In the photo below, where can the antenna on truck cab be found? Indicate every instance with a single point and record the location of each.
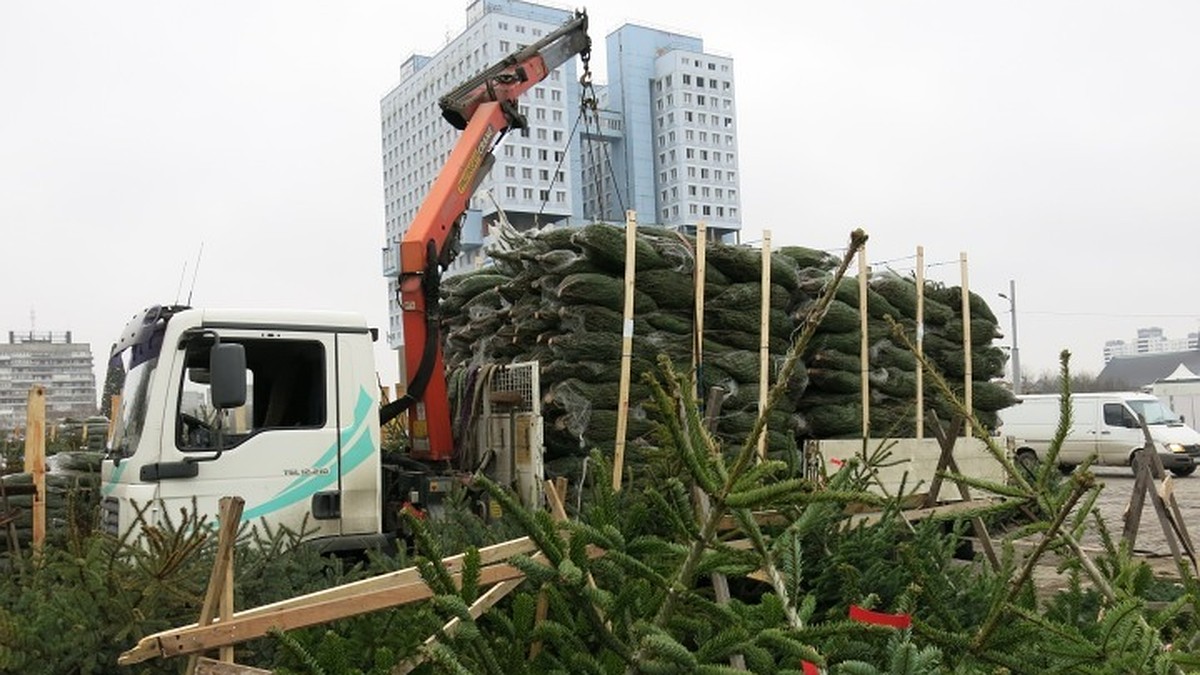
(195, 272)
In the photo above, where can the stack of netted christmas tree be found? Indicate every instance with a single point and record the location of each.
(556, 296)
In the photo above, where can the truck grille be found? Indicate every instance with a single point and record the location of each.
(110, 510)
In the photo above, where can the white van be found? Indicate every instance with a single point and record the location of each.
(1104, 425)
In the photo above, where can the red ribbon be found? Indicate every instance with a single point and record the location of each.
(837, 462)
(810, 668)
(880, 618)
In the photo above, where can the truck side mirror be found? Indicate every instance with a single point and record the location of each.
(227, 375)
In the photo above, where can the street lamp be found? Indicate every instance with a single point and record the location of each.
(1016, 354)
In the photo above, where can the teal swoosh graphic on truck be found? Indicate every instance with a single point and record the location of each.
(113, 479)
(358, 447)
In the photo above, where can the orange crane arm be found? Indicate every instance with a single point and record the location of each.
(485, 108)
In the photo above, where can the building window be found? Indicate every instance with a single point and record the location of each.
(687, 79)
(527, 173)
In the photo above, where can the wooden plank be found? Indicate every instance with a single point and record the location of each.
(947, 461)
(764, 340)
(920, 341)
(913, 515)
(202, 638)
(206, 666)
(113, 409)
(219, 581)
(150, 646)
(968, 393)
(698, 276)
(35, 461)
(864, 346)
(626, 350)
(482, 604)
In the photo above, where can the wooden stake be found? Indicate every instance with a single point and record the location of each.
(114, 409)
(864, 343)
(626, 349)
(920, 341)
(764, 340)
(35, 461)
(222, 575)
(699, 274)
(968, 394)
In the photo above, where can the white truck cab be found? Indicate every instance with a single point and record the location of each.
(301, 447)
(1105, 425)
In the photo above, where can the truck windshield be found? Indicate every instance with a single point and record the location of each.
(137, 361)
(134, 399)
(1155, 412)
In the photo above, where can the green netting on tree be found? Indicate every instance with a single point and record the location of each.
(834, 381)
(746, 295)
(991, 396)
(668, 288)
(836, 360)
(605, 247)
(804, 257)
(833, 421)
(982, 331)
(839, 318)
(603, 291)
(667, 322)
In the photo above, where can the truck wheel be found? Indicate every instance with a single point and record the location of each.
(1184, 471)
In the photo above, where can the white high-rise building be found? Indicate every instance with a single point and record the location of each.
(665, 143)
(533, 179)
(50, 360)
(669, 124)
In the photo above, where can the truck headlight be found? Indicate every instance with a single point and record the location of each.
(1175, 447)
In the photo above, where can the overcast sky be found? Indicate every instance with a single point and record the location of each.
(1054, 142)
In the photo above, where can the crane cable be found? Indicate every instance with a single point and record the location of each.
(588, 102)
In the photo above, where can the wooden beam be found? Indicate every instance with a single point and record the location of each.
(626, 350)
(764, 341)
(35, 462)
(698, 277)
(968, 376)
(206, 666)
(202, 638)
(920, 341)
(399, 584)
(864, 344)
(220, 581)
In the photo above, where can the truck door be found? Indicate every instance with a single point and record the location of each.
(279, 451)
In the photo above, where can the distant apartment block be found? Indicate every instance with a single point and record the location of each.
(665, 143)
(1150, 341)
(54, 361)
(669, 133)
